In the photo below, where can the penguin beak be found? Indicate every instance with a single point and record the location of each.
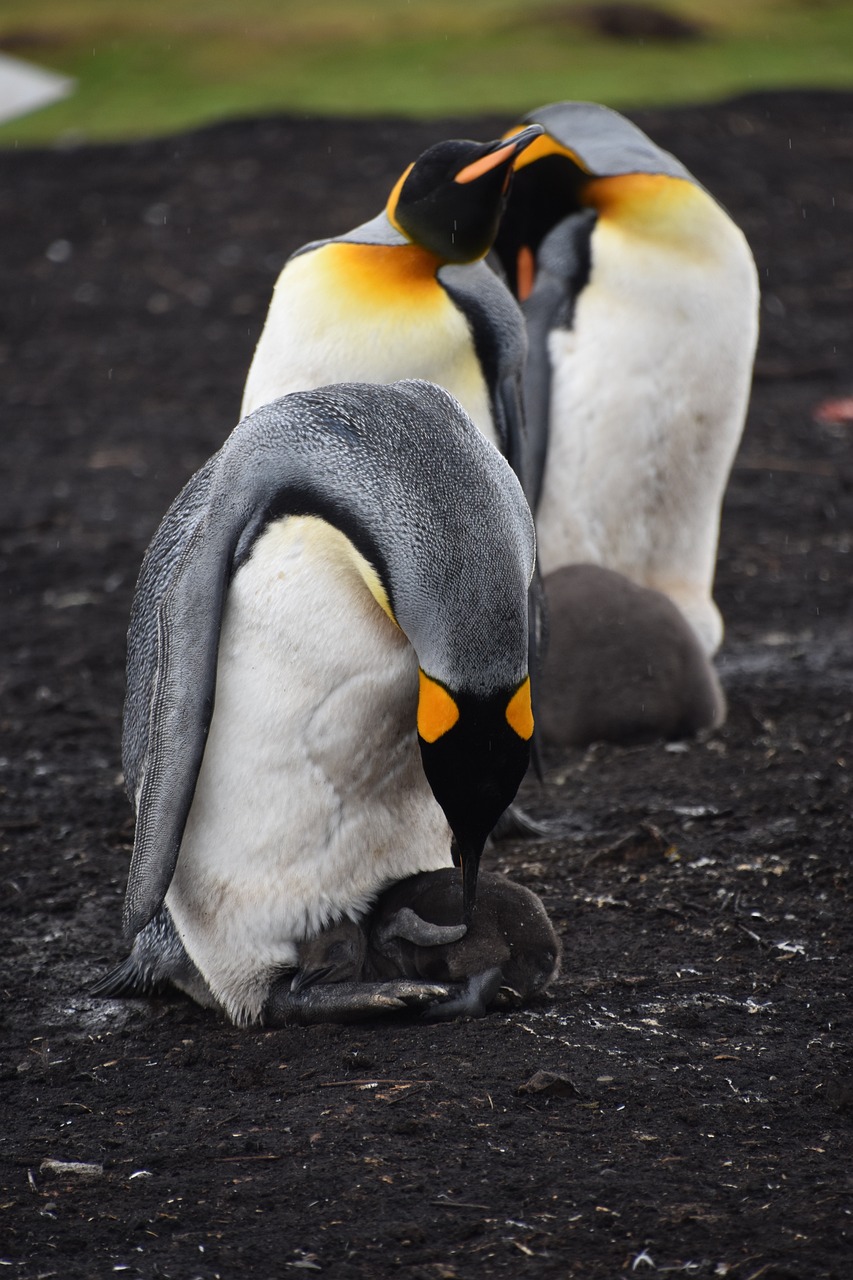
(503, 153)
(469, 856)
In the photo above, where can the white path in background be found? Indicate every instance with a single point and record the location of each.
(24, 87)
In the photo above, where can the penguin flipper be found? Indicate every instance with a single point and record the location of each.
(562, 270)
(173, 645)
(410, 927)
(497, 329)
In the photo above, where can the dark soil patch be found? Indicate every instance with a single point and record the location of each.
(703, 1019)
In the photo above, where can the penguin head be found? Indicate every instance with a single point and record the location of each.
(584, 156)
(450, 201)
(475, 751)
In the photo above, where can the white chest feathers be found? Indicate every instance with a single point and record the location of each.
(649, 393)
(311, 796)
(351, 312)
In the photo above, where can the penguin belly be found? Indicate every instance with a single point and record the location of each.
(311, 797)
(649, 394)
(351, 312)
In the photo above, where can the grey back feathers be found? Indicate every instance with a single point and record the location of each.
(446, 528)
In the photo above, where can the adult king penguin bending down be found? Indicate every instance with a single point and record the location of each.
(406, 295)
(641, 301)
(327, 675)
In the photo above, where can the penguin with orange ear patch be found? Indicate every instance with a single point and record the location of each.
(408, 295)
(327, 679)
(641, 301)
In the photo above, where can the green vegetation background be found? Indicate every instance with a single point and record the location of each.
(165, 65)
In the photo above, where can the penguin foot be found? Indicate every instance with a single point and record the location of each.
(471, 1000)
(348, 1001)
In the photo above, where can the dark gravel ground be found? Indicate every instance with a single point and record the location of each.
(702, 1028)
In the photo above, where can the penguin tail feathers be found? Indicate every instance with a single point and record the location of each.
(131, 978)
(156, 960)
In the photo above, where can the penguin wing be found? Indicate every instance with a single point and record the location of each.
(173, 646)
(562, 270)
(497, 330)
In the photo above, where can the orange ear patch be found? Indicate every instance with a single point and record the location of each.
(519, 712)
(437, 712)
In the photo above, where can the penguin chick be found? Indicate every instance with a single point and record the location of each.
(508, 955)
(623, 665)
(641, 301)
(327, 675)
(406, 295)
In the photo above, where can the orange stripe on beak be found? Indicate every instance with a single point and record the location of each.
(476, 170)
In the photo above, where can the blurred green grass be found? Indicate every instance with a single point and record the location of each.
(168, 65)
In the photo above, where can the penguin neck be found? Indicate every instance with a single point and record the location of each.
(326, 540)
(371, 273)
(674, 212)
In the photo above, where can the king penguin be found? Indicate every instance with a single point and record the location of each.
(641, 301)
(407, 295)
(327, 675)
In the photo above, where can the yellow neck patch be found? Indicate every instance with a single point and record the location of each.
(519, 712)
(383, 275)
(330, 542)
(643, 198)
(437, 712)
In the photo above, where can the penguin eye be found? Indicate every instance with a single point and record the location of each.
(437, 712)
(519, 712)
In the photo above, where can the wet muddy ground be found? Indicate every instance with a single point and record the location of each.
(701, 1035)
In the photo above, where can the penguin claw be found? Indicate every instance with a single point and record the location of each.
(413, 994)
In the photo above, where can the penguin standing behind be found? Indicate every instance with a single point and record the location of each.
(508, 955)
(641, 301)
(406, 295)
(327, 675)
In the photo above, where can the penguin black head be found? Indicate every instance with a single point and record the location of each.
(450, 201)
(475, 752)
